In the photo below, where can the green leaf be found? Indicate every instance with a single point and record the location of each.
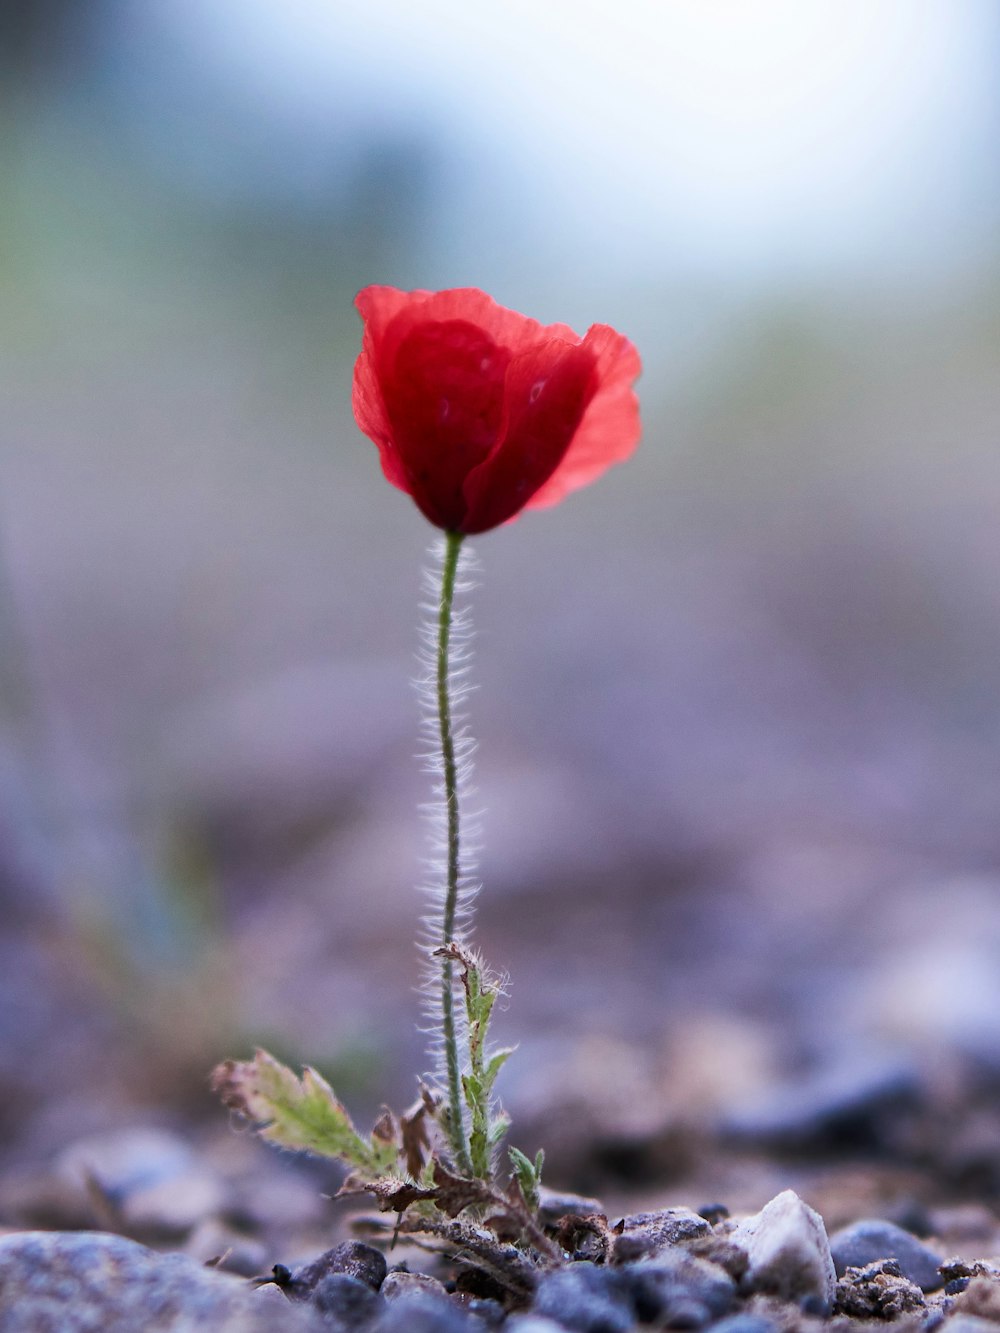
(521, 1162)
(499, 1126)
(486, 1126)
(479, 1151)
(299, 1113)
(528, 1174)
(493, 1066)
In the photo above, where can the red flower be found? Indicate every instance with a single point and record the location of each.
(479, 412)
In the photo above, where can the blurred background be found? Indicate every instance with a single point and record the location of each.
(739, 704)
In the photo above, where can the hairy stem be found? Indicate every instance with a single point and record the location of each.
(459, 1141)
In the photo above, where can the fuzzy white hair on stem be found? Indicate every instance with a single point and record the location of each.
(450, 886)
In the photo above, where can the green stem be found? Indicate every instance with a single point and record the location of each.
(459, 1142)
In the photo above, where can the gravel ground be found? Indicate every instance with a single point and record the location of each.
(831, 1203)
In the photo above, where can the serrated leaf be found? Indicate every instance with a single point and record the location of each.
(493, 1066)
(298, 1113)
(481, 1000)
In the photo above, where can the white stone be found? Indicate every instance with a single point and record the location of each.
(789, 1252)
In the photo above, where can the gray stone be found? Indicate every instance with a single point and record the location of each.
(126, 1160)
(853, 1103)
(719, 1249)
(586, 1299)
(678, 1290)
(488, 1311)
(647, 1233)
(867, 1241)
(273, 1301)
(346, 1301)
(398, 1285)
(981, 1298)
(745, 1323)
(174, 1208)
(91, 1282)
(418, 1312)
(353, 1257)
(788, 1253)
(149, 1178)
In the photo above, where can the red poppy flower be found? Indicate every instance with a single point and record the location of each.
(479, 412)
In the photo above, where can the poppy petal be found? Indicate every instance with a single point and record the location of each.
(479, 412)
(610, 428)
(443, 386)
(546, 395)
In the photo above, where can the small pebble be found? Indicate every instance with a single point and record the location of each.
(719, 1249)
(867, 1241)
(956, 1268)
(788, 1253)
(398, 1285)
(586, 1299)
(532, 1323)
(677, 1290)
(643, 1234)
(348, 1299)
(418, 1312)
(968, 1323)
(491, 1312)
(745, 1323)
(271, 1298)
(352, 1257)
(981, 1297)
(878, 1291)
